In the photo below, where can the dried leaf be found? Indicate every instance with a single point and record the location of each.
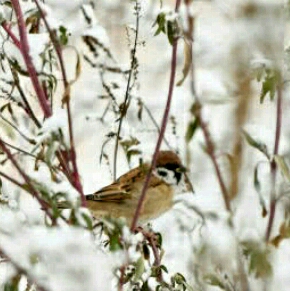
(257, 187)
(191, 129)
(256, 144)
(187, 62)
(214, 280)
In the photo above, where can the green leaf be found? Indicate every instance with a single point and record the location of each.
(187, 62)
(178, 280)
(145, 287)
(13, 284)
(258, 259)
(256, 144)
(88, 221)
(163, 268)
(140, 268)
(140, 110)
(269, 84)
(63, 35)
(146, 251)
(166, 26)
(257, 186)
(158, 237)
(191, 129)
(171, 32)
(160, 22)
(214, 280)
(280, 161)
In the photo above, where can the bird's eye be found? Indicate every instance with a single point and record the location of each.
(162, 173)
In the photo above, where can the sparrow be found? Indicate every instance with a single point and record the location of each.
(120, 198)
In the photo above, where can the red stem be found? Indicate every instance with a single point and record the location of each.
(12, 180)
(75, 174)
(24, 49)
(26, 179)
(162, 128)
(211, 152)
(208, 140)
(11, 34)
(273, 165)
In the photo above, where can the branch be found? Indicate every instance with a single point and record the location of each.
(126, 102)
(28, 108)
(208, 140)
(211, 152)
(162, 128)
(58, 49)
(273, 165)
(7, 28)
(15, 182)
(32, 189)
(24, 49)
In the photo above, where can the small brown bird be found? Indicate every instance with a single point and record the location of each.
(120, 198)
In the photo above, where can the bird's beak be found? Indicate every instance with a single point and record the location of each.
(181, 169)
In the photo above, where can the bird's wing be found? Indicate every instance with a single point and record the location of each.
(114, 192)
(121, 189)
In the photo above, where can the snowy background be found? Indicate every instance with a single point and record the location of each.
(226, 42)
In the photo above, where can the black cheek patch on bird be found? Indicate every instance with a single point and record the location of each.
(177, 171)
(177, 175)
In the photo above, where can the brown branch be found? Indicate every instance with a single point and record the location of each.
(208, 140)
(242, 274)
(24, 49)
(32, 189)
(28, 108)
(55, 43)
(29, 140)
(126, 102)
(273, 165)
(211, 153)
(15, 182)
(75, 177)
(15, 40)
(162, 128)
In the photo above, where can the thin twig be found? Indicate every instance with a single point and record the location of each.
(34, 192)
(15, 182)
(30, 140)
(24, 49)
(58, 49)
(162, 128)
(126, 102)
(273, 165)
(209, 143)
(27, 106)
(15, 40)
(19, 149)
(211, 152)
(210, 148)
(155, 123)
(55, 43)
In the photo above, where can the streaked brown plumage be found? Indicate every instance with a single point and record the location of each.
(120, 198)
